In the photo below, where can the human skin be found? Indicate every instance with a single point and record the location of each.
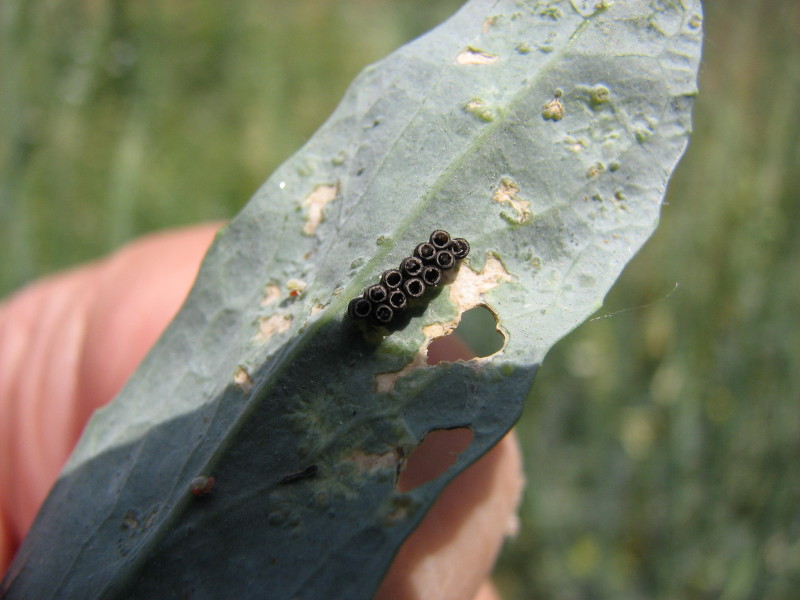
(61, 358)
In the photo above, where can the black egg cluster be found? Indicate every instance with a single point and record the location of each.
(422, 270)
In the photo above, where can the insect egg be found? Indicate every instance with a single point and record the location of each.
(400, 287)
(414, 287)
(397, 299)
(383, 314)
(460, 248)
(440, 239)
(432, 276)
(445, 259)
(411, 266)
(425, 251)
(392, 279)
(359, 308)
(377, 293)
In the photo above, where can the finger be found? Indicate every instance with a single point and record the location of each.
(138, 293)
(487, 592)
(67, 344)
(450, 554)
(41, 331)
(470, 536)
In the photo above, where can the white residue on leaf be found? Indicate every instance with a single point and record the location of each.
(467, 291)
(473, 56)
(315, 204)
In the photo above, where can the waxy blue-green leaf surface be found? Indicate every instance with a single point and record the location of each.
(544, 133)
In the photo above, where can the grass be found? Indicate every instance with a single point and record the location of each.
(662, 443)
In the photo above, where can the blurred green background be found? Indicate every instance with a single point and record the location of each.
(662, 443)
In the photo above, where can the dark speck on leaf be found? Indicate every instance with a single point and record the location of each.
(309, 471)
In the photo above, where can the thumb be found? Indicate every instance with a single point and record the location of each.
(67, 345)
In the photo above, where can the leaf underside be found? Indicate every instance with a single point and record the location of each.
(545, 134)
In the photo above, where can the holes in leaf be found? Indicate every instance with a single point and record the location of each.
(436, 453)
(475, 336)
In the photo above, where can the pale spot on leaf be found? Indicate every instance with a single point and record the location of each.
(480, 109)
(507, 193)
(402, 507)
(269, 326)
(271, 293)
(473, 56)
(368, 462)
(469, 287)
(385, 382)
(242, 379)
(315, 203)
(488, 23)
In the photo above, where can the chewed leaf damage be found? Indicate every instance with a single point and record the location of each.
(269, 326)
(474, 56)
(315, 204)
(466, 292)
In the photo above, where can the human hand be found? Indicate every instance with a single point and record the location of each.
(61, 358)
